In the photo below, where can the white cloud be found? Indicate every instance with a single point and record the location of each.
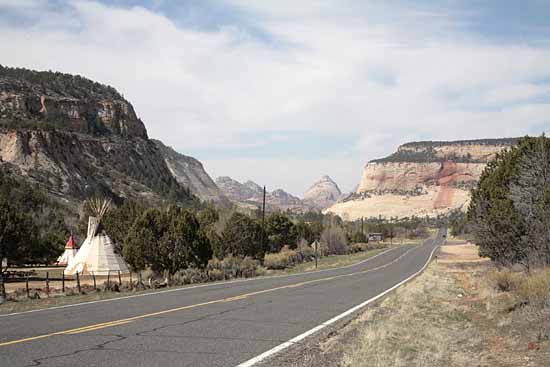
(329, 69)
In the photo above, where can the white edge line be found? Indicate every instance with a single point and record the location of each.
(182, 289)
(280, 347)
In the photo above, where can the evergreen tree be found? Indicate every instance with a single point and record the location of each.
(242, 236)
(279, 230)
(509, 208)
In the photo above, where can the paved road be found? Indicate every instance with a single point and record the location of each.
(222, 324)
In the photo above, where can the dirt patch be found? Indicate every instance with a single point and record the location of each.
(460, 253)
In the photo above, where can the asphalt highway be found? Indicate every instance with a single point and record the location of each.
(221, 324)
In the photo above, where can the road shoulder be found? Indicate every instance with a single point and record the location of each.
(448, 315)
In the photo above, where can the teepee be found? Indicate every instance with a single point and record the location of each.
(97, 254)
(69, 254)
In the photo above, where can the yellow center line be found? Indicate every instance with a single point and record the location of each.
(183, 308)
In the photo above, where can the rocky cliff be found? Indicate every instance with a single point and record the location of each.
(190, 173)
(78, 138)
(423, 178)
(322, 193)
(66, 102)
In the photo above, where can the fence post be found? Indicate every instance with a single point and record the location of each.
(119, 279)
(95, 286)
(78, 282)
(27, 286)
(48, 283)
(108, 279)
(63, 282)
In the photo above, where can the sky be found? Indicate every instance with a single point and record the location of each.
(283, 92)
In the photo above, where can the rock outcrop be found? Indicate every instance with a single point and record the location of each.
(65, 102)
(322, 193)
(425, 178)
(77, 138)
(189, 172)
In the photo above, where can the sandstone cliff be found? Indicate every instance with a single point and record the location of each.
(322, 193)
(77, 138)
(425, 178)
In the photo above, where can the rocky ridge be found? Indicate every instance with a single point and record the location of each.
(77, 138)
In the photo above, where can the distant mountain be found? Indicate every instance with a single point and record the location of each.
(191, 174)
(254, 188)
(250, 193)
(421, 179)
(322, 193)
(235, 190)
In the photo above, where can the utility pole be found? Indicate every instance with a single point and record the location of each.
(391, 231)
(263, 219)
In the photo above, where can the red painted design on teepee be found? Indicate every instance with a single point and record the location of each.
(70, 243)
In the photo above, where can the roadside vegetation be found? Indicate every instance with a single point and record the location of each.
(174, 245)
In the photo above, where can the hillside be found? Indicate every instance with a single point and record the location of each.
(421, 178)
(190, 173)
(78, 138)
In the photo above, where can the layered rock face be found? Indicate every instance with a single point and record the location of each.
(59, 103)
(190, 173)
(322, 193)
(75, 166)
(426, 178)
(77, 138)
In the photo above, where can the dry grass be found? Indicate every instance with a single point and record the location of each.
(333, 261)
(457, 314)
(419, 325)
(527, 289)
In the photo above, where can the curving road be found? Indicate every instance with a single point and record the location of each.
(223, 324)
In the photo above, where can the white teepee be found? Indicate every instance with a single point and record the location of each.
(97, 254)
(69, 254)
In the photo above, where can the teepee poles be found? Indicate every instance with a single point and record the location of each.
(98, 206)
